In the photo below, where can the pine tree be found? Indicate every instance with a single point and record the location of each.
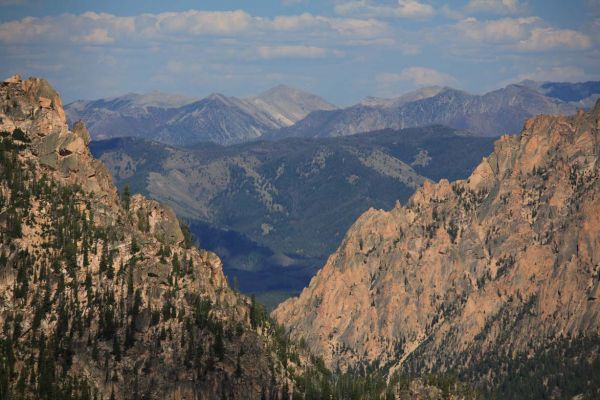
(116, 347)
(130, 281)
(126, 197)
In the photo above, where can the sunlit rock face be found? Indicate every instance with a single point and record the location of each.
(504, 262)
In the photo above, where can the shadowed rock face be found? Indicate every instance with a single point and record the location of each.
(504, 262)
(128, 308)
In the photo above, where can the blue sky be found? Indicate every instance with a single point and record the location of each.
(342, 50)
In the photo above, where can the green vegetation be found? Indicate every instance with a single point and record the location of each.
(76, 311)
(286, 203)
(40, 368)
(562, 368)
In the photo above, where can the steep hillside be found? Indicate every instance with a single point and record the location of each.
(265, 206)
(492, 114)
(496, 277)
(101, 295)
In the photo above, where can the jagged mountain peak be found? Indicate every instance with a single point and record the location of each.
(287, 105)
(218, 97)
(490, 114)
(183, 120)
(279, 89)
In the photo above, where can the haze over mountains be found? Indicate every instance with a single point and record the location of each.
(179, 120)
(492, 114)
(287, 112)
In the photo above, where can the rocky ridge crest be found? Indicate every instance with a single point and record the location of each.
(504, 263)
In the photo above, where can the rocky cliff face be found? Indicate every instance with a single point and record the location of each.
(498, 266)
(101, 296)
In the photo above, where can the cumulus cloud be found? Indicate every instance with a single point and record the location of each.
(204, 22)
(97, 36)
(369, 9)
(418, 76)
(496, 31)
(269, 52)
(543, 39)
(87, 28)
(523, 34)
(495, 6)
(102, 28)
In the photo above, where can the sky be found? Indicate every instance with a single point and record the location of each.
(342, 50)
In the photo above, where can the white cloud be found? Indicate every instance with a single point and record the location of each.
(412, 8)
(495, 6)
(361, 28)
(369, 9)
(269, 52)
(97, 36)
(205, 22)
(521, 34)
(418, 76)
(102, 28)
(298, 22)
(496, 31)
(543, 39)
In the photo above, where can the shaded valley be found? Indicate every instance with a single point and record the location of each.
(275, 210)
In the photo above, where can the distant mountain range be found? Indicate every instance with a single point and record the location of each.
(268, 205)
(492, 114)
(182, 121)
(287, 112)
